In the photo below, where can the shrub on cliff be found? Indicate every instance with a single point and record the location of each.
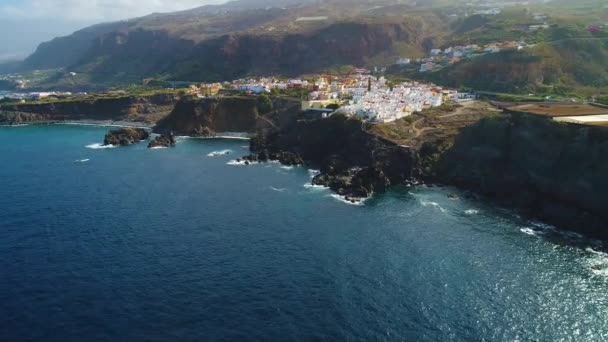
(264, 104)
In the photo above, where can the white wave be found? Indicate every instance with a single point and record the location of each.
(246, 147)
(434, 205)
(241, 163)
(219, 153)
(471, 212)
(82, 160)
(278, 189)
(358, 202)
(17, 125)
(532, 232)
(158, 148)
(315, 187)
(287, 167)
(100, 146)
(597, 262)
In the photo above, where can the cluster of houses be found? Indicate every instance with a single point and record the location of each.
(379, 102)
(360, 94)
(16, 79)
(250, 86)
(440, 58)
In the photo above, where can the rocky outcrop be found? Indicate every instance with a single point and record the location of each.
(552, 171)
(548, 170)
(353, 163)
(20, 118)
(125, 136)
(164, 140)
(215, 115)
(145, 109)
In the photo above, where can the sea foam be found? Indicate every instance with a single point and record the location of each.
(434, 205)
(99, 146)
(219, 153)
(359, 202)
(241, 163)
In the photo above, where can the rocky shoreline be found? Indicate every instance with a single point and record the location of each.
(546, 170)
(519, 161)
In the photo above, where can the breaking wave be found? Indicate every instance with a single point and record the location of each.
(241, 163)
(99, 146)
(315, 187)
(597, 262)
(82, 160)
(219, 153)
(358, 202)
(434, 205)
(277, 189)
(471, 212)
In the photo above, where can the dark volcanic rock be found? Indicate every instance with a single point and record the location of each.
(125, 136)
(165, 140)
(353, 163)
(288, 158)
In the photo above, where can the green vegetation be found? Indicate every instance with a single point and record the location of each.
(602, 100)
(264, 104)
(113, 94)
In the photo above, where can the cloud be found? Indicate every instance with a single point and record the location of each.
(93, 10)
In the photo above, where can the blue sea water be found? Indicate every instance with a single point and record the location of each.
(174, 244)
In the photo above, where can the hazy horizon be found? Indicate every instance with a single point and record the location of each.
(27, 23)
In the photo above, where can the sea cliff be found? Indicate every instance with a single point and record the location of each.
(547, 170)
(231, 114)
(552, 171)
(144, 109)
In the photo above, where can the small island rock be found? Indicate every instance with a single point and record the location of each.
(125, 136)
(165, 140)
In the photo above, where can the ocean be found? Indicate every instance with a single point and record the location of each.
(178, 244)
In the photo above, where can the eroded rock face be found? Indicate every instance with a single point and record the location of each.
(353, 163)
(125, 136)
(165, 140)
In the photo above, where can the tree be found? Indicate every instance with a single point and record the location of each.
(264, 104)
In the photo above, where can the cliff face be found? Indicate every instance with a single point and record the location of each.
(553, 171)
(203, 117)
(144, 109)
(353, 162)
(128, 54)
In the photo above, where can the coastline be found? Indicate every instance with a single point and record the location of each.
(96, 123)
(105, 123)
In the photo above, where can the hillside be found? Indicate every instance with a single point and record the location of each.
(240, 38)
(562, 67)
(289, 38)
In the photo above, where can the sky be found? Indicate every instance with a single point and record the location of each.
(26, 23)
